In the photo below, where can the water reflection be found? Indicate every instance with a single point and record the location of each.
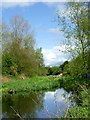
(36, 105)
(24, 105)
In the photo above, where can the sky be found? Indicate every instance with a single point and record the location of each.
(41, 16)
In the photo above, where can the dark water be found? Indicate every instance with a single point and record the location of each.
(36, 105)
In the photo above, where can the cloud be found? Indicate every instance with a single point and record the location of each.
(13, 3)
(54, 57)
(22, 3)
(8, 3)
(54, 30)
(61, 8)
(49, 95)
(33, 0)
(58, 95)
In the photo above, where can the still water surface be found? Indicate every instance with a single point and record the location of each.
(49, 104)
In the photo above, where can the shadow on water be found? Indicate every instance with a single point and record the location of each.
(36, 105)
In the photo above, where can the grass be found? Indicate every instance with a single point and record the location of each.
(31, 84)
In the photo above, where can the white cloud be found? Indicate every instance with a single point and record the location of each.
(13, 3)
(61, 8)
(33, 0)
(17, 3)
(54, 56)
(54, 30)
(22, 3)
(49, 95)
(57, 95)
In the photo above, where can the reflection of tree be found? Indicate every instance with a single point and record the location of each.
(24, 105)
(6, 103)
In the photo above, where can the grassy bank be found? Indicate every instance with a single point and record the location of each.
(80, 89)
(31, 84)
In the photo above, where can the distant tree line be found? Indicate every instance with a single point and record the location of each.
(19, 55)
(56, 70)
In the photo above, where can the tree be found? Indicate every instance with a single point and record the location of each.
(49, 70)
(18, 43)
(40, 62)
(9, 65)
(74, 24)
(55, 70)
(63, 65)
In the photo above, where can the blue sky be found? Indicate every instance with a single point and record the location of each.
(41, 16)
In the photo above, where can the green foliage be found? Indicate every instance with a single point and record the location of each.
(76, 68)
(84, 95)
(81, 110)
(78, 112)
(53, 70)
(74, 23)
(63, 65)
(8, 64)
(31, 84)
(19, 54)
(40, 62)
(56, 69)
(81, 96)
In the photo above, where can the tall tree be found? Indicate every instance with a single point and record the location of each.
(74, 23)
(18, 42)
(19, 54)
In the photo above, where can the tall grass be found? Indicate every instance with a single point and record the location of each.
(31, 84)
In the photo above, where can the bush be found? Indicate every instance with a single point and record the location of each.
(9, 65)
(78, 112)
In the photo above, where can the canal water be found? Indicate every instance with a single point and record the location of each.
(51, 104)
